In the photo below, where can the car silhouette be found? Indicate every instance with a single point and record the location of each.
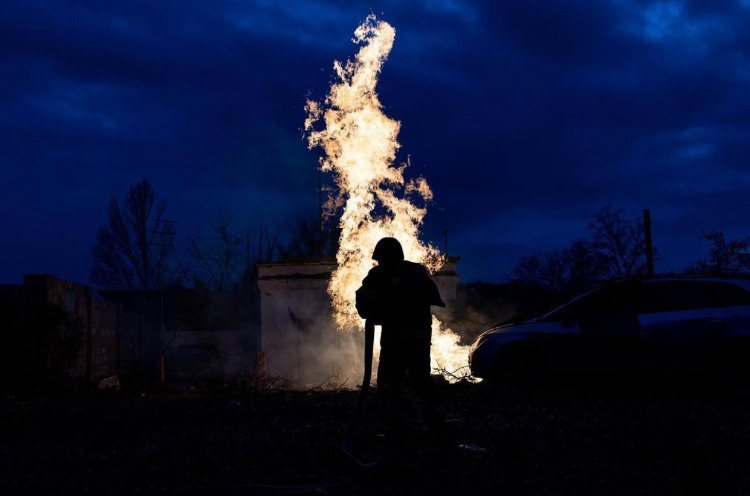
(685, 326)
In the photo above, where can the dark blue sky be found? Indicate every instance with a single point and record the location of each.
(525, 117)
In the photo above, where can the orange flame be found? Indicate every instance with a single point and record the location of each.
(360, 146)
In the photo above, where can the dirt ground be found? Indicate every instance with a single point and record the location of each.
(600, 441)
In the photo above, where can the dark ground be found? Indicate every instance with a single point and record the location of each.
(578, 441)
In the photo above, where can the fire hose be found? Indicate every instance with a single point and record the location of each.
(348, 445)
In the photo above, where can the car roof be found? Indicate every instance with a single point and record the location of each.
(741, 280)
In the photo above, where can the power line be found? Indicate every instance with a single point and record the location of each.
(165, 230)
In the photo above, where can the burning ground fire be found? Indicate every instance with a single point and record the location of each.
(359, 144)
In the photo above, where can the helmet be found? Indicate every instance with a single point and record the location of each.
(388, 250)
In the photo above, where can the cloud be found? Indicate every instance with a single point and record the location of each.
(524, 117)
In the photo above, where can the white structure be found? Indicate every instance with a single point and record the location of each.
(297, 334)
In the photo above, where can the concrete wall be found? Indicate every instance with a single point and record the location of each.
(97, 321)
(130, 330)
(178, 324)
(447, 280)
(188, 357)
(104, 350)
(296, 323)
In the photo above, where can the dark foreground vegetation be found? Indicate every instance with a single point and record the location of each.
(668, 439)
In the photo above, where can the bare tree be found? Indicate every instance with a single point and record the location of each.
(268, 245)
(215, 259)
(311, 238)
(725, 256)
(568, 271)
(615, 249)
(620, 244)
(261, 246)
(222, 258)
(132, 250)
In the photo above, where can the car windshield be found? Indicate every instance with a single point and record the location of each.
(617, 298)
(564, 309)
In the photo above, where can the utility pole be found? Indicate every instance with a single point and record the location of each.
(320, 194)
(163, 231)
(163, 237)
(649, 246)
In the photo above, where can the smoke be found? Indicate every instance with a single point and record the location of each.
(319, 356)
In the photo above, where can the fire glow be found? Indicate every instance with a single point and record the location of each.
(359, 145)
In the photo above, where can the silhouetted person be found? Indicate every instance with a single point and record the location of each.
(397, 295)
